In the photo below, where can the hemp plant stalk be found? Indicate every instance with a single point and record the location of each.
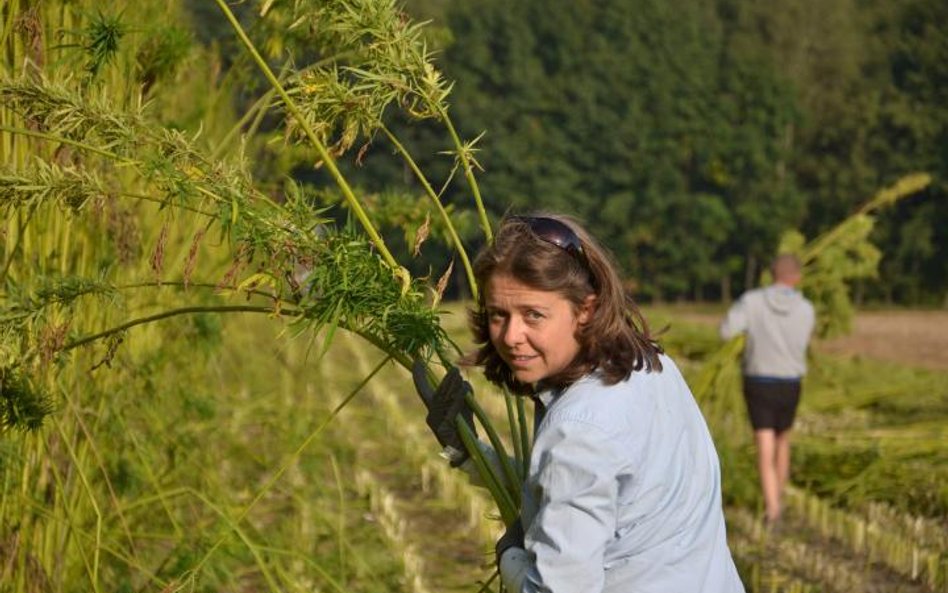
(351, 283)
(285, 257)
(358, 19)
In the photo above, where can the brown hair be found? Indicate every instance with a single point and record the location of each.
(615, 340)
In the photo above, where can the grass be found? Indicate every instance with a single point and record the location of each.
(167, 461)
(428, 510)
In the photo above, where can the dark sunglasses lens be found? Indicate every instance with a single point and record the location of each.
(555, 232)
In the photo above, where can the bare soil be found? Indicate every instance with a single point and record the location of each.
(912, 338)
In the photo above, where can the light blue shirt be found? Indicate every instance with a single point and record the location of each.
(624, 492)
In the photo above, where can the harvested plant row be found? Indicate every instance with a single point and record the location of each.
(912, 547)
(413, 491)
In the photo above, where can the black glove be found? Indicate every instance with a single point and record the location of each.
(444, 405)
(512, 538)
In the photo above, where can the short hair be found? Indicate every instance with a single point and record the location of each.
(615, 341)
(784, 265)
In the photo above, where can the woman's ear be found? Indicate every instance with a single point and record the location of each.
(586, 309)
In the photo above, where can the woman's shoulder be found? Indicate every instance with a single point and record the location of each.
(666, 373)
(592, 397)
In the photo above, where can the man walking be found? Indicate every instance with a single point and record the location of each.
(778, 321)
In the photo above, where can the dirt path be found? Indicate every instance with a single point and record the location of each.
(434, 520)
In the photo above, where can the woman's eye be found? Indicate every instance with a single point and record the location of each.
(533, 315)
(495, 316)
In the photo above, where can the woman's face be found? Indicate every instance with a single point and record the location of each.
(534, 331)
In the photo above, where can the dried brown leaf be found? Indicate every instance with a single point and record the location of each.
(443, 283)
(422, 235)
(158, 256)
(191, 260)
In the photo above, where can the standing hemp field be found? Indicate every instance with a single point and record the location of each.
(117, 224)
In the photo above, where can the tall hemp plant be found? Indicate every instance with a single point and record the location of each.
(75, 232)
(83, 155)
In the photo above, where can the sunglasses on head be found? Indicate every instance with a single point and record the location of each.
(556, 233)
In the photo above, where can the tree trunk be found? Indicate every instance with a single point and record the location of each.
(750, 272)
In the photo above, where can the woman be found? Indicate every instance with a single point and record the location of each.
(623, 489)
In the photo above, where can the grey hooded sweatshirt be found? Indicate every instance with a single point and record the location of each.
(778, 321)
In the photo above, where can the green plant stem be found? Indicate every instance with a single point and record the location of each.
(524, 434)
(146, 198)
(398, 357)
(505, 504)
(468, 172)
(165, 315)
(493, 577)
(234, 525)
(303, 557)
(324, 155)
(514, 434)
(254, 110)
(12, 11)
(510, 478)
(437, 202)
(258, 110)
(94, 576)
(74, 143)
(903, 187)
(21, 228)
(161, 496)
(182, 284)
(105, 477)
(341, 525)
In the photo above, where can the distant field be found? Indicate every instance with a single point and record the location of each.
(912, 338)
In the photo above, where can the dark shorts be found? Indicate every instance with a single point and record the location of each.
(771, 403)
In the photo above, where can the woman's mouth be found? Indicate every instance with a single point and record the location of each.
(520, 360)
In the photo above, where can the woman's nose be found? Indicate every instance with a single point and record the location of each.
(513, 332)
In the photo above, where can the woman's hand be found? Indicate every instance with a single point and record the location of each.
(444, 405)
(512, 538)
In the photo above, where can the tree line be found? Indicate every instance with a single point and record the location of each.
(691, 134)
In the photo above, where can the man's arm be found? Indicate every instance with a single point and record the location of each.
(735, 322)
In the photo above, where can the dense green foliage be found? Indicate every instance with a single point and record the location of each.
(692, 134)
(127, 204)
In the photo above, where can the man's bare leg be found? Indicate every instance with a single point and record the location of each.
(782, 454)
(765, 440)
